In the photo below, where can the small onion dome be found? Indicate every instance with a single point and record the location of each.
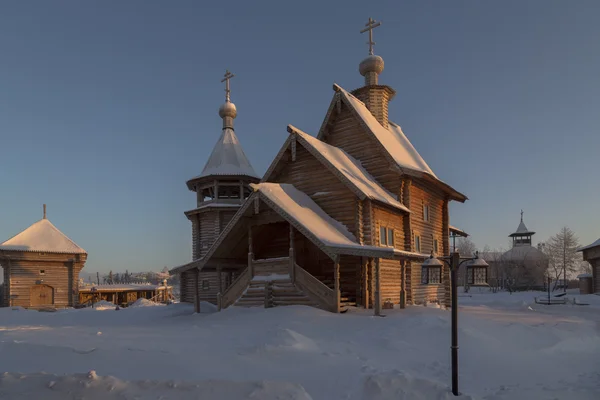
(228, 110)
(372, 63)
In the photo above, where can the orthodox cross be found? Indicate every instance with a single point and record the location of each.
(228, 76)
(521, 215)
(372, 24)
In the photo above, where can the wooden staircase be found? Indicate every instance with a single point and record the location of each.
(272, 286)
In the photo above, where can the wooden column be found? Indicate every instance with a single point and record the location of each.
(403, 284)
(250, 250)
(292, 255)
(365, 282)
(377, 288)
(196, 291)
(336, 279)
(219, 281)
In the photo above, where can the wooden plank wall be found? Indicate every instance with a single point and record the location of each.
(310, 176)
(58, 275)
(187, 293)
(422, 192)
(4, 301)
(207, 231)
(347, 133)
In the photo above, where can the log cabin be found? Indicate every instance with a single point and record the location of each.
(41, 267)
(342, 219)
(591, 254)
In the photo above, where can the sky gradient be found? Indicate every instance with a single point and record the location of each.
(107, 108)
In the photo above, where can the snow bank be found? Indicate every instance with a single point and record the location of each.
(398, 385)
(90, 386)
(145, 303)
(104, 305)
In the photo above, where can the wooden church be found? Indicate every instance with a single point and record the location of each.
(342, 219)
(41, 267)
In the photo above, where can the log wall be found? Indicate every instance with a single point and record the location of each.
(310, 176)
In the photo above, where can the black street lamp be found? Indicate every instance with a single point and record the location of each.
(454, 261)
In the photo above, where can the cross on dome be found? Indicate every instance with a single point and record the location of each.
(372, 24)
(228, 75)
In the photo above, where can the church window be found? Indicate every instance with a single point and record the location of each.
(229, 192)
(386, 236)
(205, 284)
(208, 193)
(426, 212)
(417, 243)
(431, 275)
(42, 272)
(436, 246)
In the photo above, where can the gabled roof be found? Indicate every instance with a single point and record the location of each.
(311, 220)
(227, 158)
(43, 237)
(347, 168)
(395, 143)
(589, 246)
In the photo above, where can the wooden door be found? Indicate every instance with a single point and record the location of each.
(41, 295)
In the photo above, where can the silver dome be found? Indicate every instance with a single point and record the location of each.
(372, 63)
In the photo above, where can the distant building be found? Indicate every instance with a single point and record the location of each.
(41, 267)
(523, 266)
(591, 254)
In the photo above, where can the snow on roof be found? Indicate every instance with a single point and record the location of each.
(457, 231)
(522, 230)
(589, 246)
(392, 139)
(353, 170)
(44, 237)
(228, 158)
(307, 213)
(120, 287)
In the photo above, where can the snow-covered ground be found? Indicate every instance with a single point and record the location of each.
(510, 348)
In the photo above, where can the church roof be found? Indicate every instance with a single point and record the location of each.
(394, 141)
(227, 158)
(524, 254)
(43, 237)
(589, 246)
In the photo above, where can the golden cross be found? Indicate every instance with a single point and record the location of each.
(228, 76)
(372, 24)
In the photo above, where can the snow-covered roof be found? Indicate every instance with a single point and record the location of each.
(228, 158)
(43, 237)
(393, 139)
(457, 231)
(589, 246)
(352, 170)
(522, 230)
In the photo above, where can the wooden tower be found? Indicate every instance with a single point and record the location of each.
(220, 190)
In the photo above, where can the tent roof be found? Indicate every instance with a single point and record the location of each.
(43, 237)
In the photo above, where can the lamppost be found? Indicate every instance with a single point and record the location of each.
(454, 261)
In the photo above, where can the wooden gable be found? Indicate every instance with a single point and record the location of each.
(326, 189)
(342, 128)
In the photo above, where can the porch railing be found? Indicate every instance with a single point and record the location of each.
(235, 290)
(316, 290)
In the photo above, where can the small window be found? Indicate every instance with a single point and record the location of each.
(417, 243)
(42, 272)
(390, 237)
(205, 284)
(382, 236)
(386, 236)
(436, 247)
(426, 212)
(431, 275)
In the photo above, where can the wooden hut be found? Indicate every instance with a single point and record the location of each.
(41, 267)
(220, 190)
(591, 254)
(341, 219)
(125, 294)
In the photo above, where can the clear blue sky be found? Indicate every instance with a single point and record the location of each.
(107, 108)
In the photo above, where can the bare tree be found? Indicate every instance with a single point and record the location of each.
(563, 257)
